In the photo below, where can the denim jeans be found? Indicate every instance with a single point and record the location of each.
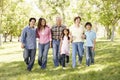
(42, 56)
(56, 52)
(80, 51)
(77, 47)
(29, 57)
(89, 56)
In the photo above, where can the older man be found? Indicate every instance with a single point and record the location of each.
(56, 35)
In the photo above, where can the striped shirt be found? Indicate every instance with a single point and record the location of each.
(28, 37)
(57, 31)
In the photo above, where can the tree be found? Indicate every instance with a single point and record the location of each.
(51, 8)
(109, 15)
(12, 25)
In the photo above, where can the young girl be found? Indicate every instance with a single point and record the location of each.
(64, 47)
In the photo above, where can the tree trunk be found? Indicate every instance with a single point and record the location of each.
(108, 32)
(18, 38)
(1, 22)
(63, 15)
(5, 37)
(10, 38)
(0, 40)
(112, 35)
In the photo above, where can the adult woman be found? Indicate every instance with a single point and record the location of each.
(44, 36)
(77, 32)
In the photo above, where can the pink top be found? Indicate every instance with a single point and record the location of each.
(44, 36)
(65, 46)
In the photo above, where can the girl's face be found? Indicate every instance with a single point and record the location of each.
(88, 27)
(43, 22)
(65, 32)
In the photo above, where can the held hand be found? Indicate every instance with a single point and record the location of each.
(22, 46)
(93, 48)
(50, 44)
(83, 36)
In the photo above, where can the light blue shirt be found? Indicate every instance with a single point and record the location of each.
(90, 37)
(28, 37)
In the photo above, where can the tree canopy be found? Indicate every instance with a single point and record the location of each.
(15, 13)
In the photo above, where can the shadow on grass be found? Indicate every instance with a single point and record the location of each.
(15, 70)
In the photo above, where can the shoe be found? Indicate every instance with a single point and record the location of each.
(28, 69)
(79, 63)
(64, 68)
(87, 65)
(67, 64)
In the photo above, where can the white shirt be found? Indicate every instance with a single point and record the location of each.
(77, 33)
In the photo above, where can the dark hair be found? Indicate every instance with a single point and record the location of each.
(78, 17)
(32, 19)
(39, 23)
(64, 34)
(88, 23)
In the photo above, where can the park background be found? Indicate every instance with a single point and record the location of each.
(103, 14)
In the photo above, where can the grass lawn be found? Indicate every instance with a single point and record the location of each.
(106, 67)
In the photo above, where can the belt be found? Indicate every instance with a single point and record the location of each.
(57, 39)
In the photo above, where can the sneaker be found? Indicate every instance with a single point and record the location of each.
(66, 64)
(64, 68)
(28, 69)
(87, 65)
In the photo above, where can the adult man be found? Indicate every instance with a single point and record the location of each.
(28, 43)
(56, 35)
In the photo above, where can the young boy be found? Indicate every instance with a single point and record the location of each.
(28, 43)
(90, 44)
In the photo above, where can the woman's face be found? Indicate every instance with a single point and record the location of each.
(43, 22)
(77, 21)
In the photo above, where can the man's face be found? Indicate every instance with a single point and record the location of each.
(32, 23)
(58, 21)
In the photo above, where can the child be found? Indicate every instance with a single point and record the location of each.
(90, 44)
(64, 47)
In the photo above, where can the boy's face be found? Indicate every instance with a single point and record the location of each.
(88, 27)
(32, 23)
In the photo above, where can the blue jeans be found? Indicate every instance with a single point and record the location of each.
(89, 56)
(29, 57)
(42, 56)
(77, 47)
(56, 52)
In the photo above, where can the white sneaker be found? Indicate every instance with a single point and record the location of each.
(67, 64)
(64, 68)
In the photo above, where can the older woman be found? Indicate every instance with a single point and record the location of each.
(77, 32)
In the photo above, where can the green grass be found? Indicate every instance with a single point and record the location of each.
(106, 67)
